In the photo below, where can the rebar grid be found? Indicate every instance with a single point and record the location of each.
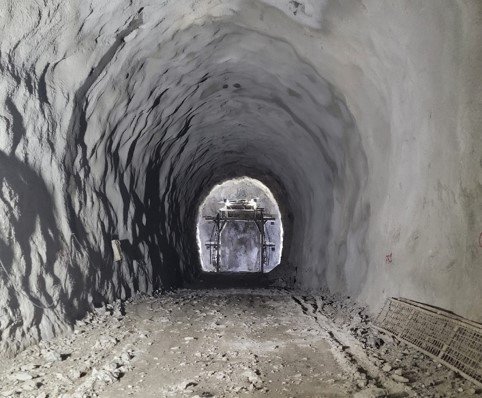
(449, 339)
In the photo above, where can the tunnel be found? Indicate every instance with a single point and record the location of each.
(117, 119)
(239, 228)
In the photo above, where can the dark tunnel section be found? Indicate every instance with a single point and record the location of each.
(139, 165)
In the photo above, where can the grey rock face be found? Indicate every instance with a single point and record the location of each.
(116, 119)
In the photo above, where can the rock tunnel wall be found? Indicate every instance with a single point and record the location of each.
(116, 118)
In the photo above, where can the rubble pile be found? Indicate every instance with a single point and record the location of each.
(228, 343)
(396, 359)
(97, 353)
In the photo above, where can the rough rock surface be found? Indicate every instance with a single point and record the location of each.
(117, 117)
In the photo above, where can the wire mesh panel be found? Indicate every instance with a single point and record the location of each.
(429, 332)
(394, 316)
(465, 352)
(449, 339)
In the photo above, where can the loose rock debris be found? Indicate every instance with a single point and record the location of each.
(228, 343)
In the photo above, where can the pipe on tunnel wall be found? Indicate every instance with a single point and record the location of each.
(361, 118)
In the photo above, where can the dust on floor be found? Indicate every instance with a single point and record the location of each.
(227, 343)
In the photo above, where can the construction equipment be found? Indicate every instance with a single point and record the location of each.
(239, 210)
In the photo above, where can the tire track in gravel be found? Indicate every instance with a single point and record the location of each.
(347, 350)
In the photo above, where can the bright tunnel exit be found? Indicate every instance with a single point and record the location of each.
(239, 228)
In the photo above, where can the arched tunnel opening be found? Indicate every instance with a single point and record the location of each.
(239, 228)
(327, 153)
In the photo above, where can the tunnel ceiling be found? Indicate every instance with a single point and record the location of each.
(118, 117)
(211, 98)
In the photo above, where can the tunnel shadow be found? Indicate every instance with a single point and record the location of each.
(44, 252)
(229, 280)
(150, 248)
(135, 259)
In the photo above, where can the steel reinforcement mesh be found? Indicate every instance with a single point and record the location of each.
(395, 316)
(443, 336)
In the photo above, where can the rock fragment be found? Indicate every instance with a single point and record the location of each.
(51, 356)
(400, 379)
(387, 367)
(372, 392)
(21, 376)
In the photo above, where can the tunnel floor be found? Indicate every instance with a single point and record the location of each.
(227, 343)
(230, 280)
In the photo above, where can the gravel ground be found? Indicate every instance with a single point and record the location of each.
(227, 343)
